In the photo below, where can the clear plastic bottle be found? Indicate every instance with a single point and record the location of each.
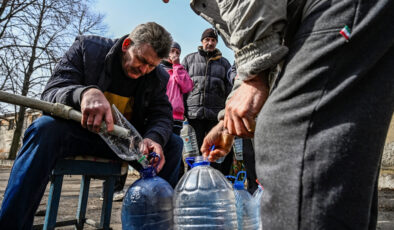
(148, 203)
(220, 160)
(248, 218)
(257, 196)
(238, 148)
(190, 146)
(204, 199)
(127, 148)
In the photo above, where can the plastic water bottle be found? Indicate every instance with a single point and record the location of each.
(248, 218)
(238, 148)
(189, 138)
(204, 199)
(257, 196)
(128, 149)
(148, 203)
(188, 135)
(220, 160)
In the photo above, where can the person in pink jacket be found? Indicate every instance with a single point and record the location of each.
(179, 83)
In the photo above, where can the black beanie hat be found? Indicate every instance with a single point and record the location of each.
(176, 45)
(211, 33)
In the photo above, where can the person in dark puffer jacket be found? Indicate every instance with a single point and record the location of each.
(208, 70)
(94, 73)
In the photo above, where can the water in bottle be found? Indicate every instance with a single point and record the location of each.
(257, 197)
(248, 218)
(190, 146)
(204, 199)
(238, 148)
(148, 203)
(220, 159)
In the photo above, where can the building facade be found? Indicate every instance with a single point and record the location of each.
(7, 128)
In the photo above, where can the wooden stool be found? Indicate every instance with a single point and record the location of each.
(89, 167)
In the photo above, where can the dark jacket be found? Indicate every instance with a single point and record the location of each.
(211, 85)
(89, 62)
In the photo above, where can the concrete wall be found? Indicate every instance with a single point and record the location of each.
(388, 153)
(5, 139)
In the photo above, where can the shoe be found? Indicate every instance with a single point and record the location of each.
(118, 195)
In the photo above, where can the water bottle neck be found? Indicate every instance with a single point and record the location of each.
(238, 185)
(200, 160)
(148, 172)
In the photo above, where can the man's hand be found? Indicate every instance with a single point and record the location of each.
(222, 140)
(95, 108)
(151, 146)
(243, 107)
(174, 59)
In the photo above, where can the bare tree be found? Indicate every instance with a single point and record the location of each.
(9, 9)
(36, 38)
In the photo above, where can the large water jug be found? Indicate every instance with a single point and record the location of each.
(148, 203)
(190, 146)
(204, 199)
(248, 218)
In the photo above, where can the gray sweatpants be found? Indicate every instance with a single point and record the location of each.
(320, 135)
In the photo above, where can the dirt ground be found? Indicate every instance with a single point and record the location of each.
(70, 191)
(69, 200)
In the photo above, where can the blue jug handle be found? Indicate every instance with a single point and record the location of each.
(152, 156)
(188, 160)
(238, 176)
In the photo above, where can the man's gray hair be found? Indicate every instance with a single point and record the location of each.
(155, 35)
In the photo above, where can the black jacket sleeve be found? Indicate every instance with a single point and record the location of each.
(159, 119)
(67, 81)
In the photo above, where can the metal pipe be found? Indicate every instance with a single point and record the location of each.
(56, 109)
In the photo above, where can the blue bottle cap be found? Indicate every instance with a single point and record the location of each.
(239, 185)
(197, 161)
(150, 171)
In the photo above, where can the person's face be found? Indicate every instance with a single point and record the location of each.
(209, 44)
(138, 60)
(174, 54)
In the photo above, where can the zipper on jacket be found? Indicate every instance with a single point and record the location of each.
(205, 86)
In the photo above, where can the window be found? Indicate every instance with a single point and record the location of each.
(34, 117)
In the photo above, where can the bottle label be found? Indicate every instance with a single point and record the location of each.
(238, 149)
(187, 144)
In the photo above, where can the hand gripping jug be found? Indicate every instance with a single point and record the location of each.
(148, 203)
(204, 199)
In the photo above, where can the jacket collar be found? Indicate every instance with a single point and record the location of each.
(116, 49)
(166, 64)
(212, 55)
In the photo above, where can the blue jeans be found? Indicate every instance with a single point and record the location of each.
(320, 135)
(45, 141)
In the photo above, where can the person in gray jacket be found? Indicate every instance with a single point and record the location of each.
(208, 70)
(320, 131)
